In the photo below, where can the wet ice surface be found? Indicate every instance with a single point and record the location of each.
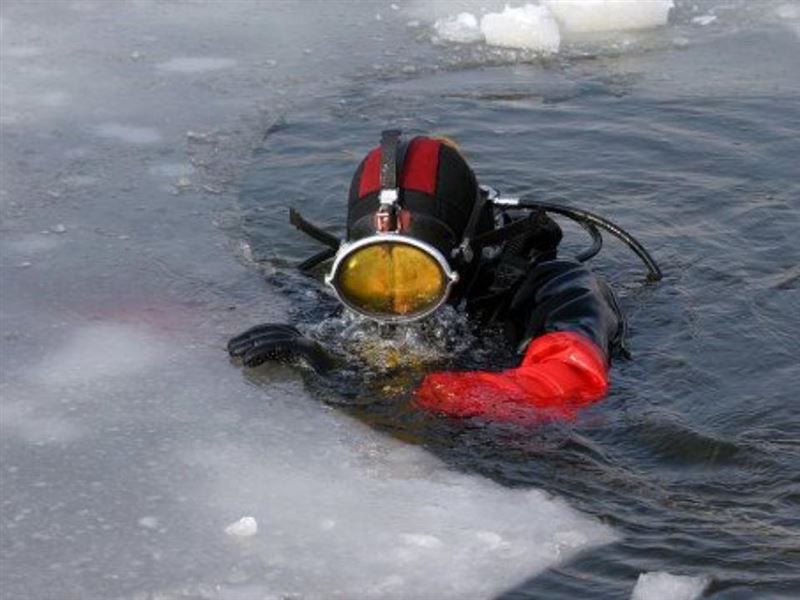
(333, 509)
(128, 443)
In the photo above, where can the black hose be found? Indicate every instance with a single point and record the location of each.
(597, 242)
(582, 216)
(312, 230)
(319, 258)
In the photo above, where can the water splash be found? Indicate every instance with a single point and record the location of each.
(382, 347)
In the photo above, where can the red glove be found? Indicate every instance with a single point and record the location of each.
(560, 373)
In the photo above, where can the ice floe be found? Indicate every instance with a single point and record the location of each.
(244, 527)
(659, 585)
(388, 519)
(530, 27)
(590, 16)
(540, 27)
(463, 28)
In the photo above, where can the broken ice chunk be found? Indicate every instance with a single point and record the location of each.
(664, 586)
(462, 29)
(530, 27)
(244, 527)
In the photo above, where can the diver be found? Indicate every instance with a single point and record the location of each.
(422, 233)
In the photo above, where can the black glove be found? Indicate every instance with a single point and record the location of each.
(283, 343)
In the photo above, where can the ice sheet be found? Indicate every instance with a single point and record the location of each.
(101, 351)
(385, 519)
(303, 499)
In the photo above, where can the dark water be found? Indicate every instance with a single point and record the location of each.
(694, 457)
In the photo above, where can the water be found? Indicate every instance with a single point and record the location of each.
(149, 153)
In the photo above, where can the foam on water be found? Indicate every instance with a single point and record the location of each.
(664, 586)
(362, 340)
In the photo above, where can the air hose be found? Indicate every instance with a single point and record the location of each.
(590, 222)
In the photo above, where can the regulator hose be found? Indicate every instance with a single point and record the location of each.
(590, 222)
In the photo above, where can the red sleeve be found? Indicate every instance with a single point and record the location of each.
(561, 372)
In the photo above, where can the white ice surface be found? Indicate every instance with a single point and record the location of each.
(585, 16)
(530, 27)
(101, 351)
(352, 514)
(664, 586)
(334, 509)
(540, 27)
(195, 64)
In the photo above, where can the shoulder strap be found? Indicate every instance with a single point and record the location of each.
(390, 167)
